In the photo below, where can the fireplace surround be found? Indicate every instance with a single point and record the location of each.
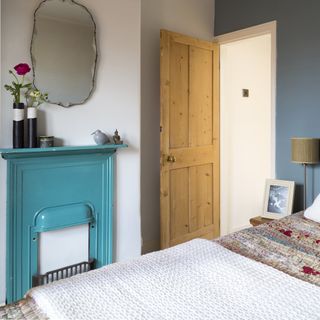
(51, 189)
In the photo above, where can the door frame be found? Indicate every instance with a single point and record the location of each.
(247, 33)
(251, 32)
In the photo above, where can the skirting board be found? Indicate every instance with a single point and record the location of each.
(150, 246)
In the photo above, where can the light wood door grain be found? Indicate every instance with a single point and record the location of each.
(190, 183)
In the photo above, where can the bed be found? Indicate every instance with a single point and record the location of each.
(268, 272)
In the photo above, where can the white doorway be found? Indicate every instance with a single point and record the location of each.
(247, 107)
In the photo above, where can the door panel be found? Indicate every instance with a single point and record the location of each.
(201, 197)
(189, 139)
(179, 96)
(201, 111)
(179, 202)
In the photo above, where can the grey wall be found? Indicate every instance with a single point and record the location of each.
(298, 73)
(191, 17)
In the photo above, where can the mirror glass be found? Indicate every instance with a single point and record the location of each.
(64, 51)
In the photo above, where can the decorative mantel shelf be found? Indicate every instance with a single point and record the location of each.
(39, 152)
(55, 188)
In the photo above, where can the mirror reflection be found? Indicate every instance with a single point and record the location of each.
(64, 52)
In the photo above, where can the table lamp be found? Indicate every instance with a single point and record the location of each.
(305, 151)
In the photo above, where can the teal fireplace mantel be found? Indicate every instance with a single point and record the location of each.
(67, 150)
(54, 188)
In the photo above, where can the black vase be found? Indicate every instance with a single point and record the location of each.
(32, 127)
(18, 125)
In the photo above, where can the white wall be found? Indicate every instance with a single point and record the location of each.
(190, 17)
(2, 195)
(246, 130)
(114, 104)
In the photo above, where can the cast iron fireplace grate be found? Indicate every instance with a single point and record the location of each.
(63, 273)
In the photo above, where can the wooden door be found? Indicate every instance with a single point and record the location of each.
(189, 195)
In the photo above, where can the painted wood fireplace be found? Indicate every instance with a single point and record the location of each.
(53, 189)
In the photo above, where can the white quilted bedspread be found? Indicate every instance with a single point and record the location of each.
(196, 280)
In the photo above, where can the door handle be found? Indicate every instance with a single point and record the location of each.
(171, 159)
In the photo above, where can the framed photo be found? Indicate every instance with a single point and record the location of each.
(278, 199)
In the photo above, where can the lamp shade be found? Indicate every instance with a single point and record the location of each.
(305, 150)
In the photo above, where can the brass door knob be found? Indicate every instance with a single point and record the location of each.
(171, 159)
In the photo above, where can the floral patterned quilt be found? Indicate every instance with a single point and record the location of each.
(291, 244)
(25, 309)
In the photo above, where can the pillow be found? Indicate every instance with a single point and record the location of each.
(313, 212)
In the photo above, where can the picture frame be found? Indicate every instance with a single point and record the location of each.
(278, 198)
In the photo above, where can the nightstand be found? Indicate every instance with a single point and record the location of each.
(259, 220)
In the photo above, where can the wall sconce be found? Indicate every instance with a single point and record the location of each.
(305, 151)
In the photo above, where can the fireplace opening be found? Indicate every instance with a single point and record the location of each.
(63, 241)
(61, 248)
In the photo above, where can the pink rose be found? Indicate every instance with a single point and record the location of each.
(22, 69)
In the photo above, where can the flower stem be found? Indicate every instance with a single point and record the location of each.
(15, 77)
